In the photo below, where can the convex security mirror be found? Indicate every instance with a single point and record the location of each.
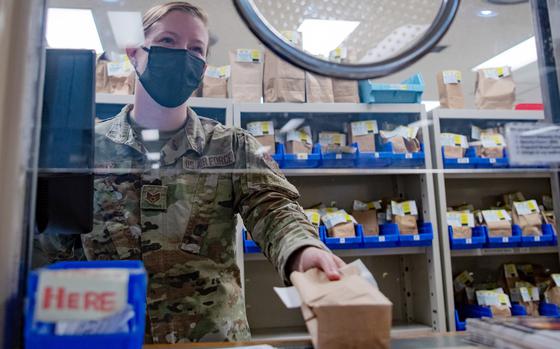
(353, 39)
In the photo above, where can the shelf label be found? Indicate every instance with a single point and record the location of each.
(492, 251)
(469, 241)
(302, 156)
(376, 155)
(533, 144)
(537, 238)
(524, 250)
(463, 161)
(408, 155)
(492, 161)
(342, 241)
(416, 237)
(381, 238)
(338, 156)
(505, 239)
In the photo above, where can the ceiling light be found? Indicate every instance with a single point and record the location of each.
(516, 57)
(72, 28)
(487, 13)
(320, 36)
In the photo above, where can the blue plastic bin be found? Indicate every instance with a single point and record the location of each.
(409, 91)
(388, 237)
(41, 335)
(423, 238)
(249, 245)
(372, 160)
(407, 160)
(472, 161)
(504, 242)
(473, 311)
(295, 161)
(531, 241)
(342, 243)
(279, 155)
(334, 160)
(518, 310)
(459, 325)
(549, 309)
(477, 241)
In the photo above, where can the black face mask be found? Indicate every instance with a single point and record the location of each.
(171, 75)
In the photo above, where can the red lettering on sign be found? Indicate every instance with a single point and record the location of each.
(74, 300)
(61, 300)
(107, 301)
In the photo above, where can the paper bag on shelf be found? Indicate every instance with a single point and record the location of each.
(283, 82)
(345, 91)
(349, 313)
(263, 131)
(366, 215)
(527, 215)
(450, 89)
(363, 133)
(495, 89)
(405, 216)
(300, 141)
(498, 223)
(318, 89)
(246, 75)
(215, 82)
(339, 224)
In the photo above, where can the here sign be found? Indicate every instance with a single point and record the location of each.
(80, 294)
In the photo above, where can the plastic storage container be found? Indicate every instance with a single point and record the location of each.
(406, 160)
(459, 325)
(249, 245)
(504, 242)
(279, 156)
(335, 160)
(295, 161)
(477, 241)
(549, 309)
(388, 237)
(372, 160)
(472, 161)
(408, 91)
(531, 241)
(342, 243)
(423, 238)
(41, 335)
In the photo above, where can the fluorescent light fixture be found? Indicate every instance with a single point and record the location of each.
(72, 28)
(321, 36)
(431, 105)
(487, 13)
(516, 57)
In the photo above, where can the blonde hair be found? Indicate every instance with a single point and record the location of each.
(156, 13)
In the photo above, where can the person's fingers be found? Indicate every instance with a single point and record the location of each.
(329, 267)
(338, 261)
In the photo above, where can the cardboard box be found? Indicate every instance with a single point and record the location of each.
(350, 313)
(368, 219)
(296, 147)
(344, 230)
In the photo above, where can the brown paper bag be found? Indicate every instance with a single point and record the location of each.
(407, 224)
(269, 142)
(101, 77)
(552, 295)
(334, 312)
(246, 80)
(368, 220)
(531, 307)
(283, 82)
(500, 311)
(495, 89)
(531, 224)
(489, 153)
(499, 229)
(296, 147)
(344, 230)
(462, 232)
(318, 89)
(450, 90)
(345, 91)
(214, 87)
(452, 152)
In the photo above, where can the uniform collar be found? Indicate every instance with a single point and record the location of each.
(192, 138)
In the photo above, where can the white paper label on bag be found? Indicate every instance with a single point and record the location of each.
(361, 128)
(495, 215)
(249, 56)
(333, 219)
(313, 216)
(407, 208)
(556, 278)
(338, 54)
(535, 293)
(475, 132)
(452, 77)
(460, 219)
(303, 135)
(526, 207)
(525, 296)
(496, 73)
(454, 140)
(493, 140)
(223, 72)
(261, 128)
(121, 67)
(80, 294)
(363, 206)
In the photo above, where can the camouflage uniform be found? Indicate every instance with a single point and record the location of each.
(180, 220)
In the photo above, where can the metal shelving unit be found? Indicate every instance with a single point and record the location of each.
(478, 185)
(410, 277)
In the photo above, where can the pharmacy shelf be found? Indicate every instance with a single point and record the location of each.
(504, 251)
(399, 251)
(398, 330)
(351, 172)
(488, 181)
